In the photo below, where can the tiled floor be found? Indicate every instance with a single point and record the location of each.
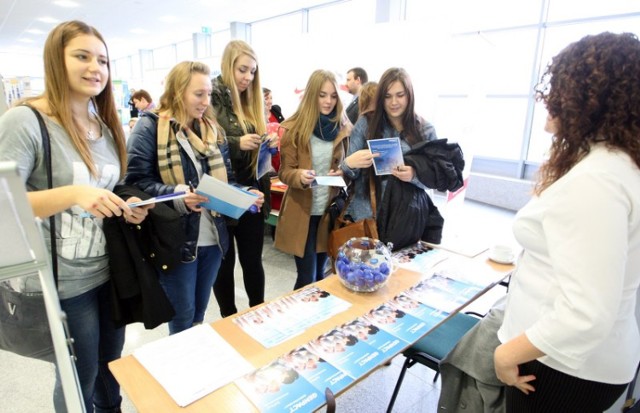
(25, 385)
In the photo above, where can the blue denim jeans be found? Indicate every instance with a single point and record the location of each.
(189, 287)
(311, 266)
(97, 342)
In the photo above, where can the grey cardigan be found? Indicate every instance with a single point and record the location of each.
(469, 382)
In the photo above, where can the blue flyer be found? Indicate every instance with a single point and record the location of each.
(349, 354)
(443, 293)
(279, 388)
(397, 322)
(431, 316)
(320, 373)
(390, 155)
(224, 198)
(263, 164)
(381, 340)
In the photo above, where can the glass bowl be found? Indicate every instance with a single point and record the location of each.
(364, 264)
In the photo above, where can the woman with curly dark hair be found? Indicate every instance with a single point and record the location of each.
(570, 340)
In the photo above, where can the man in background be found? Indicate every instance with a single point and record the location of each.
(142, 100)
(356, 77)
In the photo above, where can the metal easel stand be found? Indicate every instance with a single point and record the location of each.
(28, 256)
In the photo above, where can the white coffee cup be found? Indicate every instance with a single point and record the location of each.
(501, 253)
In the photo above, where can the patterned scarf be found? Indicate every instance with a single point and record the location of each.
(169, 161)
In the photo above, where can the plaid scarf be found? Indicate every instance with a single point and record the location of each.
(169, 162)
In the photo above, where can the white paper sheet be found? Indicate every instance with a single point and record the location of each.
(329, 181)
(191, 364)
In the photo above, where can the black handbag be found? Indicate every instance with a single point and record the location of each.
(24, 326)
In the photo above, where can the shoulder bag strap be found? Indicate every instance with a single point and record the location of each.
(46, 143)
(372, 195)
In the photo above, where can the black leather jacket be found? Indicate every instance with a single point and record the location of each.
(143, 172)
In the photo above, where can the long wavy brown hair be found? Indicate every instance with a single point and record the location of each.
(57, 93)
(592, 89)
(410, 122)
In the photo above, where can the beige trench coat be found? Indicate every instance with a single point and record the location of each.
(295, 210)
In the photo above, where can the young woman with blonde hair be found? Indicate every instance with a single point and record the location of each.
(239, 106)
(313, 144)
(88, 158)
(170, 150)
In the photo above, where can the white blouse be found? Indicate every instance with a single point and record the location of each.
(574, 292)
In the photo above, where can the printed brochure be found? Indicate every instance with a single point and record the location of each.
(390, 155)
(224, 198)
(277, 387)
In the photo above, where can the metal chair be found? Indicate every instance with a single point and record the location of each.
(433, 347)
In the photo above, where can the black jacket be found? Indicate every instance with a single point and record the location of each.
(136, 254)
(438, 164)
(353, 111)
(276, 111)
(406, 213)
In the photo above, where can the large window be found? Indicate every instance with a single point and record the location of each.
(496, 53)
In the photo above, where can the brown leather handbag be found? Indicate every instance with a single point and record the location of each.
(344, 229)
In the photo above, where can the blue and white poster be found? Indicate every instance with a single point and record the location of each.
(349, 354)
(279, 388)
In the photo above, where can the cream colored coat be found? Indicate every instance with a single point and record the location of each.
(295, 210)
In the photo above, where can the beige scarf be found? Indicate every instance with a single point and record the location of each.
(169, 161)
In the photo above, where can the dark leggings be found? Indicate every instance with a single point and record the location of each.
(561, 393)
(249, 236)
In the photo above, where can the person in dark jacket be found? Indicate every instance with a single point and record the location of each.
(169, 151)
(356, 78)
(393, 116)
(239, 107)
